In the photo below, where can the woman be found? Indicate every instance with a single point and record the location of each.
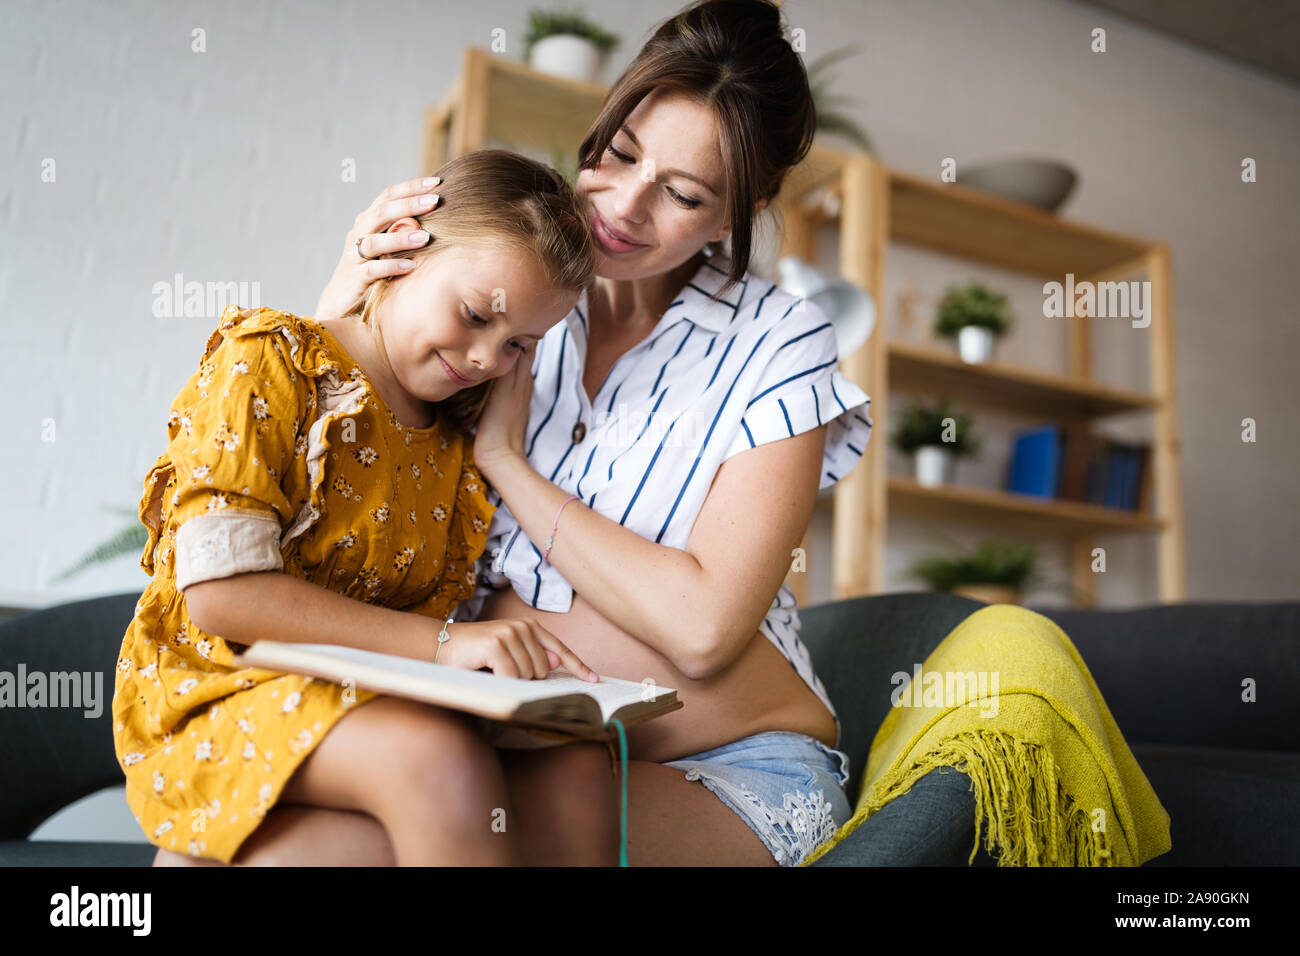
(695, 411)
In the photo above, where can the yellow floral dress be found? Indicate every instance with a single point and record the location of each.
(281, 456)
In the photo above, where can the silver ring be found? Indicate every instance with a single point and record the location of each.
(360, 253)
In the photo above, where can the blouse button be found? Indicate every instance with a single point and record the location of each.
(579, 432)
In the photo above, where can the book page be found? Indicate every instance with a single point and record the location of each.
(610, 693)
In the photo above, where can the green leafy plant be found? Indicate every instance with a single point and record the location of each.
(829, 117)
(566, 164)
(545, 23)
(992, 562)
(923, 425)
(130, 540)
(972, 304)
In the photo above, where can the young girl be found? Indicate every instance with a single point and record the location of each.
(318, 485)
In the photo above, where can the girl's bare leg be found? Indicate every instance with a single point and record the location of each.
(435, 786)
(305, 836)
(564, 811)
(435, 783)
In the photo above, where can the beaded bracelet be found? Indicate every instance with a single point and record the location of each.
(443, 636)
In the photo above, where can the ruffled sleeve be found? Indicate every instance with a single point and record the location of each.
(801, 388)
(232, 431)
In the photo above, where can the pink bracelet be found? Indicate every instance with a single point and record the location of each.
(551, 540)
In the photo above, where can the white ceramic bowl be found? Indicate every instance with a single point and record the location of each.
(1043, 183)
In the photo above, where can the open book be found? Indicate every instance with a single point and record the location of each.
(519, 713)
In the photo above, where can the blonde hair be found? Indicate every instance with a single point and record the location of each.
(493, 198)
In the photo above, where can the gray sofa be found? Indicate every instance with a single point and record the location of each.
(1227, 771)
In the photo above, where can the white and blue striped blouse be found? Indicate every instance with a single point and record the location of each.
(712, 380)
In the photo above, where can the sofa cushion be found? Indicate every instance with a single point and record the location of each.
(64, 754)
(1226, 807)
(1173, 673)
(64, 853)
(858, 644)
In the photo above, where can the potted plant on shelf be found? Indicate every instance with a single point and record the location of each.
(936, 438)
(996, 572)
(565, 43)
(975, 315)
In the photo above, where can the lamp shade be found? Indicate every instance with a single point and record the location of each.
(851, 309)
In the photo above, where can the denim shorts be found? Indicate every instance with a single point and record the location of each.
(787, 786)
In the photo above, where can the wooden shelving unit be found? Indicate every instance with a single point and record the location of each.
(877, 205)
(501, 101)
(496, 100)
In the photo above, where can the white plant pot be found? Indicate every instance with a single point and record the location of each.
(935, 466)
(564, 54)
(975, 343)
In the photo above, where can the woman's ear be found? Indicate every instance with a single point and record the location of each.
(404, 224)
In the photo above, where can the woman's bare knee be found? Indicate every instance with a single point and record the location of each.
(566, 804)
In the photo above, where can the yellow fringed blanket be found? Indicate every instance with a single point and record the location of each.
(1055, 783)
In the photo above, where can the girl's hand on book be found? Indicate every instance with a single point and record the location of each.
(509, 648)
(387, 223)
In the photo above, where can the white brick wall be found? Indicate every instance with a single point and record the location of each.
(224, 166)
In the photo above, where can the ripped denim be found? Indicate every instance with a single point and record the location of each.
(787, 786)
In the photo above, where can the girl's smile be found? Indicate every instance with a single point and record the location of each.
(460, 380)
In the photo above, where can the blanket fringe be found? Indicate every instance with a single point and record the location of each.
(1031, 820)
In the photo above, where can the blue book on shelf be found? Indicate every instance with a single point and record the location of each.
(1114, 476)
(1096, 472)
(1121, 493)
(1131, 466)
(1035, 461)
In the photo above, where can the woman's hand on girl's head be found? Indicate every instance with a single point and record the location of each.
(500, 431)
(387, 225)
(510, 648)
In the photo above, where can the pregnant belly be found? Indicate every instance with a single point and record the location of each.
(758, 691)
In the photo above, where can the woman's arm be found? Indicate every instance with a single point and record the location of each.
(699, 607)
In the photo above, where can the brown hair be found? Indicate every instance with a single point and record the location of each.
(493, 198)
(733, 56)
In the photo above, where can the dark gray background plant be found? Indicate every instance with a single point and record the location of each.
(922, 424)
(992, 562)
(830, 118)
(130, 540)
(972, 304)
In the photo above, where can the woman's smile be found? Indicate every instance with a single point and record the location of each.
(612, 241)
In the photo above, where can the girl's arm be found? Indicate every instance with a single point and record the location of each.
(273, 605)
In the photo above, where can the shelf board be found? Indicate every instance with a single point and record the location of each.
(967, 222)
(994, 384)
(530, 108)
(821, 167)
(1012, 511)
